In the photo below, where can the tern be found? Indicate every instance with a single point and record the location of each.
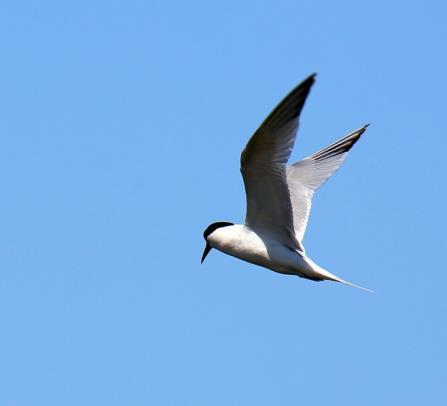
(279, 196)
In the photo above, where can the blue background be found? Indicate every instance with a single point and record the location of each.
(121, 126)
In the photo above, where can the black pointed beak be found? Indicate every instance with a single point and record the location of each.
(205, 252)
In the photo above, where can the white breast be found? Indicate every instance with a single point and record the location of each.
(239, 241)
(243, 243)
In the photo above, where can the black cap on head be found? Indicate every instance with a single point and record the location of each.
(214, 227)
(208, 231)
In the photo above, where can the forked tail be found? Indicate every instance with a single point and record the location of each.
(331, 277)
(322, 274)
(351, 284)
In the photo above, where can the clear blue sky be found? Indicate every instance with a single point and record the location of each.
(121, 126)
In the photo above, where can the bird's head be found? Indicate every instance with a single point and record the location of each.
(209, 230)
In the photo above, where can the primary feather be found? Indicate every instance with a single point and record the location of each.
(306, 176)
(263, 167)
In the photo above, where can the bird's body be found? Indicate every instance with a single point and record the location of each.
(279, 196)
(242, 242)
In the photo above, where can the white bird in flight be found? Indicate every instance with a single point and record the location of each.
(279, 196)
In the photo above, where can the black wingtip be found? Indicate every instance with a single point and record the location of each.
(310, 79)
(306, 83)
(339, 147)
(361, 130)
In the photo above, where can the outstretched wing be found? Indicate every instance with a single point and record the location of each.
(263, 167)
(306, 176)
